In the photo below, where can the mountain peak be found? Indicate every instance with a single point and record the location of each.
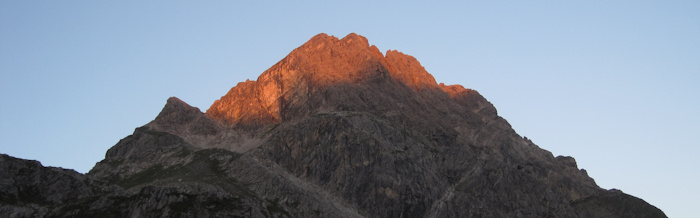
(351, 39)
(321, 63)
(176, 110)
(336, 129)
(325, 60)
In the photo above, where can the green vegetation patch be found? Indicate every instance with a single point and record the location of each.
(205, 167)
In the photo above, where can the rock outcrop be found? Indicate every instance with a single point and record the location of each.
(335, 129)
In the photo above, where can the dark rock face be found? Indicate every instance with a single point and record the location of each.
(335, 129)
(615, 203)
(26, 187)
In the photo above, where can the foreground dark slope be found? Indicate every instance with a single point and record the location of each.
(335, 129)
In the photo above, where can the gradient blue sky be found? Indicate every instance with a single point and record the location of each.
(614, 84)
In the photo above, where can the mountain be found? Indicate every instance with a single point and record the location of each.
(335, 129)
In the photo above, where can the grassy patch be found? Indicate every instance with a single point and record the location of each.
(205, 167)
(150, 131)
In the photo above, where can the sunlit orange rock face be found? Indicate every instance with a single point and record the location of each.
(321, 63)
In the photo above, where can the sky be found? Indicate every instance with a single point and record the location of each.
(615, 84)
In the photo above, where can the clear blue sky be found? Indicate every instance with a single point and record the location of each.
(614, 84)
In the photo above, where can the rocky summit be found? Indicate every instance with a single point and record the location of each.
(335, 129)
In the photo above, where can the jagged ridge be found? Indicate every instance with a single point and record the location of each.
(322, 62)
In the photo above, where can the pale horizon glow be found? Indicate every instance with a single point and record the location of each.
(613, 84)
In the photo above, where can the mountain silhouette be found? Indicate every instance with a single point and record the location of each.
(335, 129)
